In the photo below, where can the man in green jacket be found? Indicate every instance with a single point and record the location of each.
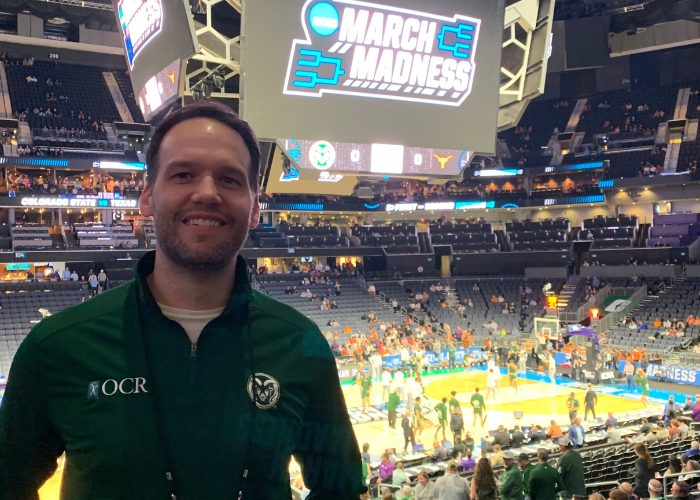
(391, 406)
(185, 383)
(526, 469)
(510, 484)
(571, 469)
(545, 481)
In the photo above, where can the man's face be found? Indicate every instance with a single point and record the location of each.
(676, 491)
(201, 199)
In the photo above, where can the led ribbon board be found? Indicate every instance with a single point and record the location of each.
(369, 50)
(141, 21)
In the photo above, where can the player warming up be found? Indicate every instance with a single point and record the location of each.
(366, 387)
(441, 409)
(513, 375)
(477, 402)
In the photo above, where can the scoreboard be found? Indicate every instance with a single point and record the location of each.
(157, 36)
(407, 73)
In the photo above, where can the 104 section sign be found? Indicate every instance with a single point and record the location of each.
(369, 50)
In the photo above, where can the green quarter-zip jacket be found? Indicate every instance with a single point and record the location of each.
(91, 380)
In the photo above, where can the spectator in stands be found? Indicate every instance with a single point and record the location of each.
(502, 438)
(483, 485)
(644, 470)
(497, 458)
(613, 434)
(694, 449)
(689, 404)
(399, 476)
(386, 467)
(696, 412)
(425, 489)
(65, 275)
(576, 434)
(73, 276)
(372, 290)
(408, 435)
(537, 434)
(439, 452)
(570, 466)
(680, 490)
(554, 431)
(510, 483)
(661, 431)
(93, 285)
(545, 481)
(675, 466)
(628, 490)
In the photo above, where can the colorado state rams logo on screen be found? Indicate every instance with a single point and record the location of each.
(370, 50)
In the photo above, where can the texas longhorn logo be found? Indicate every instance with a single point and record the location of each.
(370, 50)
(443, 160)
(266, 392)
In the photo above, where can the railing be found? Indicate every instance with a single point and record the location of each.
(636, 296)
(606, 485)
(681, 476)
(582, 312)
(67, 135)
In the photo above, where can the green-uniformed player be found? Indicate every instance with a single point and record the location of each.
(454, 403)
(570, 467)
(477, 402)
(510, 484)
(451, 355)
(641, 378)
(545, 481)
(526, 469)
(513, 375)
(441, 409)
(573, 405)
(366, 386)
(417, 419)
(392, 405)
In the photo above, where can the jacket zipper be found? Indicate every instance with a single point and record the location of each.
(193, 364)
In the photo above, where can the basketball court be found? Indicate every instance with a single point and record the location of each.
(538, 399)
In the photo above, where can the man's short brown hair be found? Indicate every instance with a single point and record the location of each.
(214, 111)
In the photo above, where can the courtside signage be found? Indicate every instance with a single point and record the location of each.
(370, 50)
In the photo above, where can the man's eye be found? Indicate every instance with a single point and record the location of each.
(183, 175)
(230, 180)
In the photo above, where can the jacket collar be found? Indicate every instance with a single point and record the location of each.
(241, 295)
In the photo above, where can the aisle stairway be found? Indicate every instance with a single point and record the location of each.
(424, 243)
(568, 291)
(117, 97)
(671, 160)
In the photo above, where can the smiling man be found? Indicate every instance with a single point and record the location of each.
(185, 383)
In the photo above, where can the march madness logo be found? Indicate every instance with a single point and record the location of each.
(369, 50)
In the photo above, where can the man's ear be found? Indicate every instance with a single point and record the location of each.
(255, 213)
(146, 201)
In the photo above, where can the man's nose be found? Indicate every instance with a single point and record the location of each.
(206, 191)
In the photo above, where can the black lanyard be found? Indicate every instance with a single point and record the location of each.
(163, 437)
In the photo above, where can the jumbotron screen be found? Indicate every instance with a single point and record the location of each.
(157, 35)
(404, 72)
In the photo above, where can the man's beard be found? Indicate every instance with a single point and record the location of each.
(213, 259)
